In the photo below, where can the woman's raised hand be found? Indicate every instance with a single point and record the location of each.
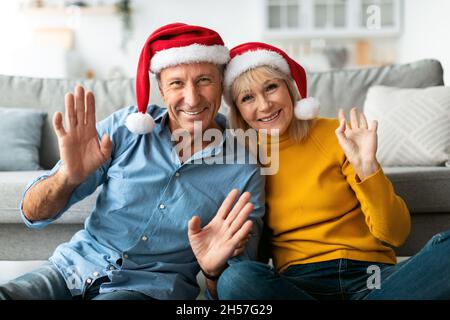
(359, 142)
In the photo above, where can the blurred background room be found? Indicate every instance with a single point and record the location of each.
(103, 38)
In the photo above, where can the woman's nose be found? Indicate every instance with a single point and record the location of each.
(264, 104)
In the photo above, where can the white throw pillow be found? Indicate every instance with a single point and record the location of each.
(413, 124)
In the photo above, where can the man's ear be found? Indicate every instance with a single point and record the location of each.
(161, 92)
(158, 81)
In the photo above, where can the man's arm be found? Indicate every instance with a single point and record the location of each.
(81, 155)
(48, 197)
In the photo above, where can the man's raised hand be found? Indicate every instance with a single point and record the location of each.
(225, 236)
(79, 148)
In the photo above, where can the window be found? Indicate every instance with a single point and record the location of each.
(352, 18)
(330, 13)
(386, 9)
(284, 14)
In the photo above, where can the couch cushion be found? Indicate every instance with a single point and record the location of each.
(424, 189)
(12, 186)
(20, 138)
(335, 89)
(413, 124)
(348, 88)
(22, 243)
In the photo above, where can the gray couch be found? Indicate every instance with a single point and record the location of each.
(425, 189)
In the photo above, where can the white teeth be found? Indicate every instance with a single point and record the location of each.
(193, 113)
(270, 118)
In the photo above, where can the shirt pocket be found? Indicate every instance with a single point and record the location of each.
(192, 202)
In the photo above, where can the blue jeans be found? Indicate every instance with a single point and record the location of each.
(46, 283)
(424, 276)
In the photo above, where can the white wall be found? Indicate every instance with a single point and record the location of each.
(236, 21)
(426, 33)
(97, 37)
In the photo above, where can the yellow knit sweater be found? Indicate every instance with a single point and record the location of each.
(319, 210)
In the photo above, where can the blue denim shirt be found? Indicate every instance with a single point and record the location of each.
(137, 232)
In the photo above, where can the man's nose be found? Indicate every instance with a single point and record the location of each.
(191, 95)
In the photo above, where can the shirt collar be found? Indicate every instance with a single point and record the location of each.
(161, 120)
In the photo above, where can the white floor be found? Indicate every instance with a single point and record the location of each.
(12, 269)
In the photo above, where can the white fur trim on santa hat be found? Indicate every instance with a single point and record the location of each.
(253, 59)
(307, 108)
(140, 123)
(194, 53)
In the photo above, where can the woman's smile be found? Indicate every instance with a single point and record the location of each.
(271, 118)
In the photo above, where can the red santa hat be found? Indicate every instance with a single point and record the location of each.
(252, 55)
(168, 46)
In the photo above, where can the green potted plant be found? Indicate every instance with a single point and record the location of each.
(124, 10)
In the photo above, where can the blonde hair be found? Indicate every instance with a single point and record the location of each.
(298, 129)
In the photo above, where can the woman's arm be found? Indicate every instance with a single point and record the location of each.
(387, 215)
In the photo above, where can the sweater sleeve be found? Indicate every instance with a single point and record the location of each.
(386, 214)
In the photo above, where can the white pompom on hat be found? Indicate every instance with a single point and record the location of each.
(168, 46)
(252, 55)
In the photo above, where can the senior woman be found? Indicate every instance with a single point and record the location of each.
(333, 215)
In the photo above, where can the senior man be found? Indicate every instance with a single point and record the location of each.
(161, 215)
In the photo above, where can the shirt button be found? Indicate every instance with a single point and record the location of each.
(177, 174)
(162, 206)
(95, 274)
(89, 280)
(125, 256)
(144, 238)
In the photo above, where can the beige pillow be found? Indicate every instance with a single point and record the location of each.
(413, 124)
